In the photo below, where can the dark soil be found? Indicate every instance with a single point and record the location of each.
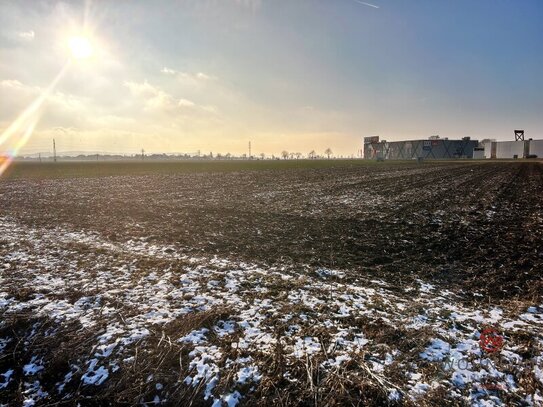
(478, 226)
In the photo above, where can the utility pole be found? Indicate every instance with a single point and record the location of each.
(142, 154)
(54, 151)
(249, 150)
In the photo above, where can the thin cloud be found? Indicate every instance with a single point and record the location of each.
(203, 76)
(199, 76)
(23, 93)
(366, 4)
(156, 99)
(11, 83)
(185, 103)
(168, 71)
(26, 35)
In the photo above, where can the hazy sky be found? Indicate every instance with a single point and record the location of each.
(210, 75)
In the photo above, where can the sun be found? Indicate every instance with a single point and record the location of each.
(80, 47)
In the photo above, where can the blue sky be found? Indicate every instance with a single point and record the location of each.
(293, 75)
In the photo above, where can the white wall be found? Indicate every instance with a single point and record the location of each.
(536, 147)
(488, 149)
(507, 149)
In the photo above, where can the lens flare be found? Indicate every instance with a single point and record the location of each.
(7, 160)
(27, 119)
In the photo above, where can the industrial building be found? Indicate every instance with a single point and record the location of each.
(442, 148)
(514, 149)
(432, 148)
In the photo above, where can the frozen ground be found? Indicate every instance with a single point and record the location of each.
(257, 328)
(366, 285)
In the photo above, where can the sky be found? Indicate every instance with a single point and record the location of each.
(295, 75)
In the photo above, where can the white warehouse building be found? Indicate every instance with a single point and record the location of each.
(514, 149)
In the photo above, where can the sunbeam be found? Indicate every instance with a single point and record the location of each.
(29, 117)
(31, 110)
(8, 159)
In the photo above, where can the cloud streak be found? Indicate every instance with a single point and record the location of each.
(366, 4)
(26, 35)
(186, 75)
(155, 98)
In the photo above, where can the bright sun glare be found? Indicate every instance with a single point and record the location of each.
(80, 47)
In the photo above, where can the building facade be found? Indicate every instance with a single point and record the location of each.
(434, 148)
(514, 149)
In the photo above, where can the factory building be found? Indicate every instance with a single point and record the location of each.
(431, 148)
(442, 148)
(514, 149)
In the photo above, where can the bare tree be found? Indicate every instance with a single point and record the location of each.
(298, 155)
(228, 156)
(312, 154)
(328, 152)
(284, 154)
(262, 156)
